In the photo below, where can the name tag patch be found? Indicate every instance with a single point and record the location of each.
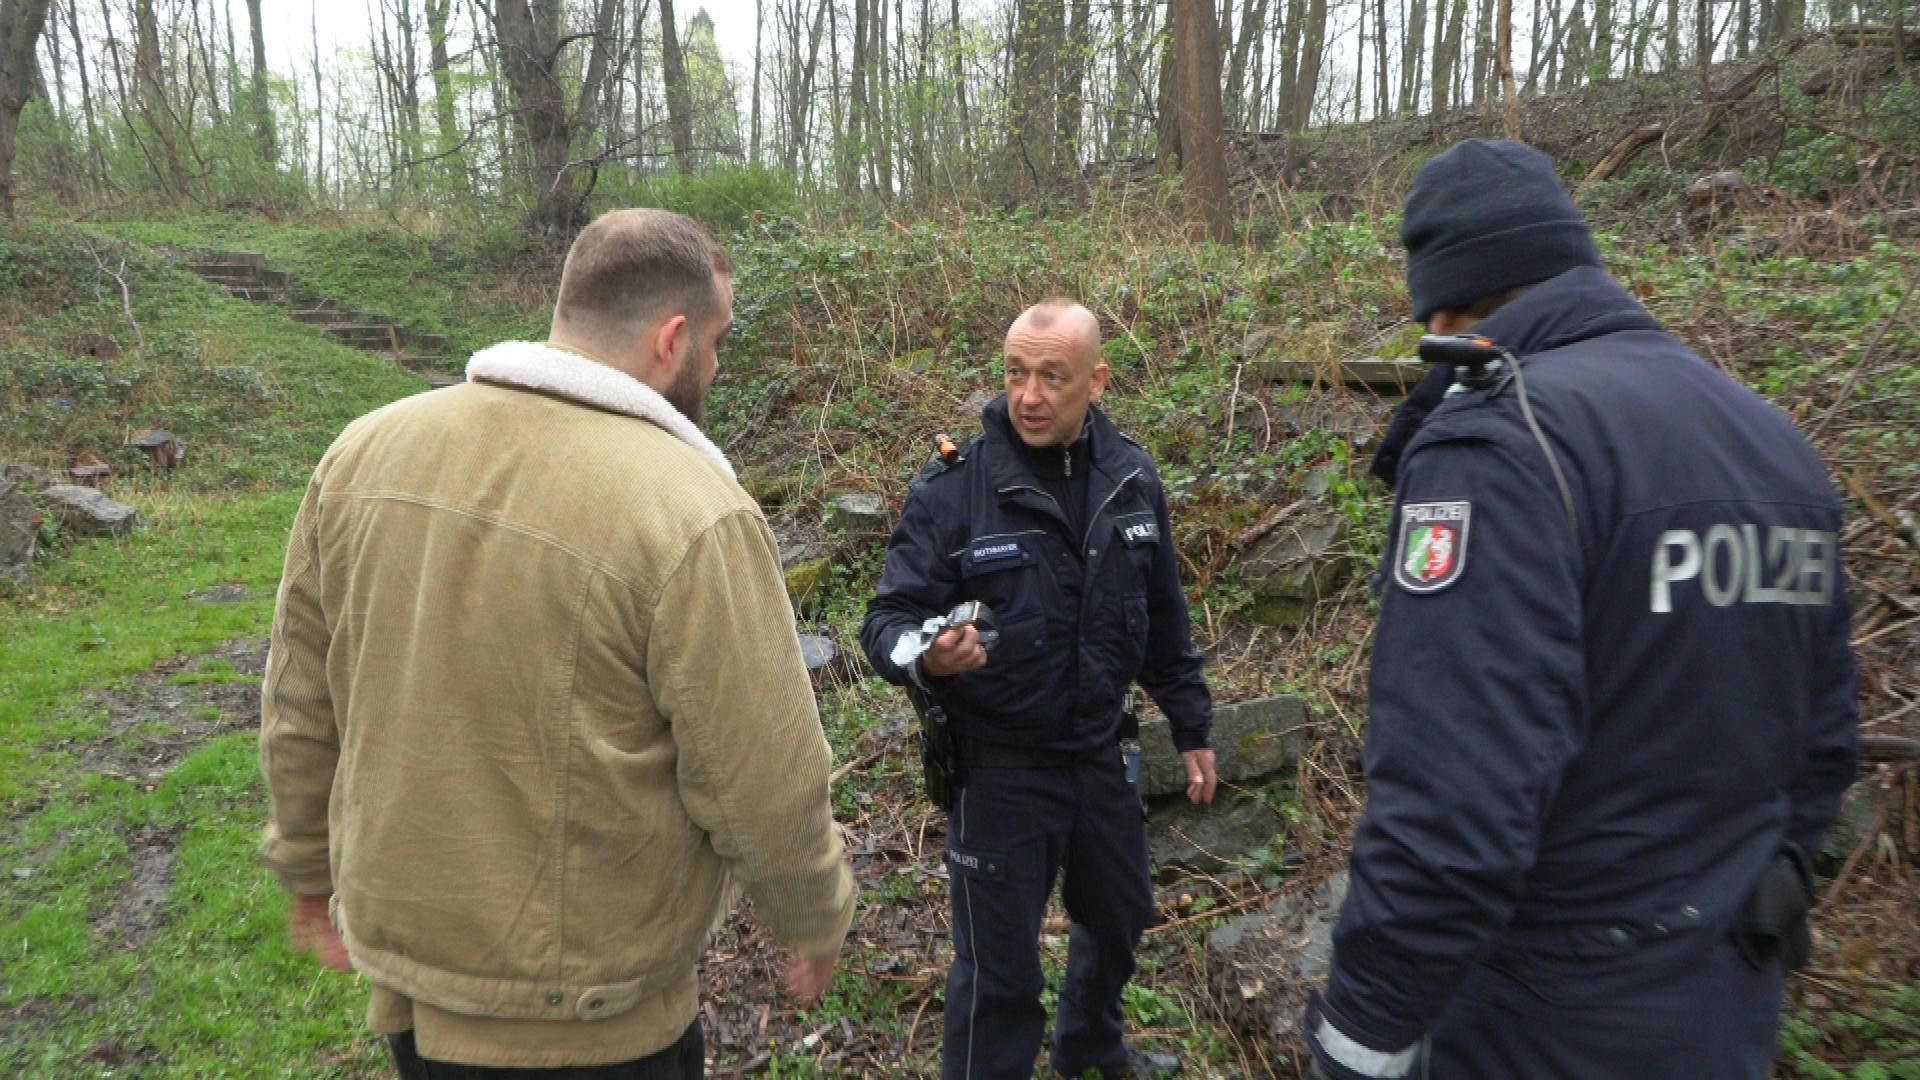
(1136, 533)
(1433, 545)
(993, 552)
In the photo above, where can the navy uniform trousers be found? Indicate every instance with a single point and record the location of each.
(1012, 833)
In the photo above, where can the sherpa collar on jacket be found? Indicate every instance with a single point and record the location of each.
(531, 365)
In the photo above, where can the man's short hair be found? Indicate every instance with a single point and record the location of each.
(631, 268)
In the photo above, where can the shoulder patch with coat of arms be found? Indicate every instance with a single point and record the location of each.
(1433, 545)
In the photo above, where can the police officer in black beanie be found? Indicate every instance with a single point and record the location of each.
(1612, 701)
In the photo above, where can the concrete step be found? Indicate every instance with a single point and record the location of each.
(1393, 377)
(234, 258)
(260, 294)
(230, 277)
(365, 337)
(438, 380)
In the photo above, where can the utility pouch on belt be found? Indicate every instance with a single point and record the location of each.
(940, 765)
(1773, 924)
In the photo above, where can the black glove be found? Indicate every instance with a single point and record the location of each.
(1339, 1056)
(1773, 924)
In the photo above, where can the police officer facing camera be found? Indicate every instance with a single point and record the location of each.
(1056, 522)
(1612, 698)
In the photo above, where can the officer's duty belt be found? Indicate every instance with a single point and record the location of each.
(979, 755)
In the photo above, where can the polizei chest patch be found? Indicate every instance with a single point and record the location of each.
(1433, 545)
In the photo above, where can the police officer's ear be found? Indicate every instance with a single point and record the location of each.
(1100, 374)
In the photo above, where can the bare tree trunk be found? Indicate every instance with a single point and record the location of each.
(319, 107)
(1510, 127)
(1204, 162)
(1038, 34)
(528, 37)
(674, 70)
(1788, 16)
(262, 110)
(1485, 72)
(851, 154)
(1446, 53)
(1703, 45)
(1313, 48)
(1290, 61)
(1384, 103)
(52, 32)
(1670, 58)
(1253, 25)
(446, 121)
(20, 25)
(1600, 60)
(759, 26)
(921, 103)
(1166, 132)
(956, 53)
(1411, 55)
(149, 77)
(1573, 53)
(1075, 59)
(86, 95)
(1899, 37)
(799, 105)
(884, 29)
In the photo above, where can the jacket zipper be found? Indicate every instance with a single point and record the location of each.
(1117, 489)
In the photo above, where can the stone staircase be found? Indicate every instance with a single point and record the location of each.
(246, 275)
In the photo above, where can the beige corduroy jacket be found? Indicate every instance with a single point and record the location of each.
(534, 704)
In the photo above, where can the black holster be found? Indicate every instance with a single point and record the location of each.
(940, 765)
(1773, 924)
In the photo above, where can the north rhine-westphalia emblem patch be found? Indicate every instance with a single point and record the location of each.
(1433, 545)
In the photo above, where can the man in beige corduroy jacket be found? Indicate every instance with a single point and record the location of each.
(534, 703)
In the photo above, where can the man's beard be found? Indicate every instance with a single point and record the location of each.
(686, 394)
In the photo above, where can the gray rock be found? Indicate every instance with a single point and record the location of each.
(859, 515)
(1209, 839)
(1296, 567)
(223, 594)
(1262, 967)
(87, 512)
(977, 401)
(33, 480)
(1250, 739)
(1721, 185)
(795, 552)
(773, 485)
(19, 531)
(1844, 834)
(1320, 478)
(820, 653)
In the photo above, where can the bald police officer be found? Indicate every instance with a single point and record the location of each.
(1057, 523)
(1612, 699)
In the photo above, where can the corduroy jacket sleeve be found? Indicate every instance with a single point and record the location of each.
(299, 740)
(724, 662)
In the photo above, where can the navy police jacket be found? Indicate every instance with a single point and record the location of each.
(1584, 748)
(1080, 617)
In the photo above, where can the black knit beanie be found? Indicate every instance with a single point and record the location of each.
(1484, 217)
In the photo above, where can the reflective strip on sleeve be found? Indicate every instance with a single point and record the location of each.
(1360, 1059)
